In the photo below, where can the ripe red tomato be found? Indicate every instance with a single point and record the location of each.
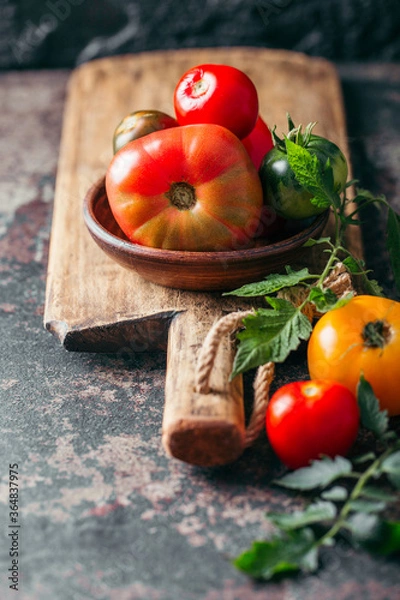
(258, 142)
(361, 337)
(307, 419)
(218, 94)
(186, 188)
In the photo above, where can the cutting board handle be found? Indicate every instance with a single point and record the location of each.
(205, 429)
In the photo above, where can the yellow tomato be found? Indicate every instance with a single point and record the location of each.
(362, 337)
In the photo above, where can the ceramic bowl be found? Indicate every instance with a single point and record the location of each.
(205, 271)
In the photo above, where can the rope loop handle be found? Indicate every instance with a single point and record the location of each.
(339, 281)
(262, 382)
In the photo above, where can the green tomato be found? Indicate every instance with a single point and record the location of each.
(280, 187)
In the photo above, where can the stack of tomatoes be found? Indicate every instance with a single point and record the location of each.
(191, 182)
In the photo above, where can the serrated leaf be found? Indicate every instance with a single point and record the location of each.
(318, 475)
(270, 335)
(393, 244)
(351, 220)
(362, 196)
(384, 538)
(351, 182)
(364, 458)
(337, 493)
(361, 525)
(314, 513)
(367, 506)
(271, 284)
(377, 493)
(324, 300)
(308, 172)
(291, 552)
(351, 264)
(313, 175)
(391, 467)
(389, 436)
(394, 479)
(311, 242)
(372, 417)
(372, 287)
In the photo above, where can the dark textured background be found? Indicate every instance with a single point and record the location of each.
(63, 33)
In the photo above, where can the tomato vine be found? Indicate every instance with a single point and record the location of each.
(272, 333)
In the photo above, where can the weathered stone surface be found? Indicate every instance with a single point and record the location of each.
(104, 514)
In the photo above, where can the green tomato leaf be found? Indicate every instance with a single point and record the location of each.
(351, 183)
(393, 244)
(350, 220)
(382, 537)
(367, 506)
(312, 175)
(368, 456)
(324, 300)
(308, 172)
(363, 195)
(272, 283)
(352, 265)
(391, 467)
(318, 475)
(362, 526)
(314, 513)
(337, 493)
(311, 242)
(270, 335)
(291, 552)
(372, 287)
(372, 417)
(377, 493)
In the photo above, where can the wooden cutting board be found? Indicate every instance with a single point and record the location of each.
(93, 304)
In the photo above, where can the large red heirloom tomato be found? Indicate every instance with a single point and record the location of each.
(186, 188)
(218, 94)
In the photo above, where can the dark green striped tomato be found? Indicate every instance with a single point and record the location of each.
(281, 189)
(140, 123)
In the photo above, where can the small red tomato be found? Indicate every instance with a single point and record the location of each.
(258, 142)
(218, 94)
(308, 419)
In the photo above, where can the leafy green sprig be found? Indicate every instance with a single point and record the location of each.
(275, 331)
(355, 511)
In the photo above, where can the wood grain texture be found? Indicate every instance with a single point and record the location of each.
(92, 303)
(87, 291)
(203, 429)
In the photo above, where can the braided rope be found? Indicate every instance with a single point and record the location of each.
(262, 383)
(265, 374)
(226, 325)
(339, 281)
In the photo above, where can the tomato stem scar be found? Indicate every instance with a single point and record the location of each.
(182, 195)
(200, 88)
(376, 334)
